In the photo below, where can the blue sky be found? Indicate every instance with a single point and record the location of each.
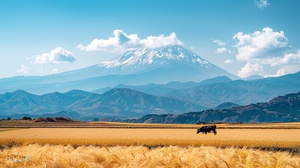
(249, 37)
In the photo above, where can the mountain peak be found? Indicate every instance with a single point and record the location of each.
(155, 56)
(16, 93)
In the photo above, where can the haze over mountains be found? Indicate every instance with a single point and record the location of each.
(135, 67)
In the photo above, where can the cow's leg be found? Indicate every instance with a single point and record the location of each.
(215, 132)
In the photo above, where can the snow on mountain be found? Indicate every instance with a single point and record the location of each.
(153, 56)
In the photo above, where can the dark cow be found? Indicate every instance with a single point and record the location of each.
(206, 129)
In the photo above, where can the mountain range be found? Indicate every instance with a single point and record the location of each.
(135, 67)
(130, 102)
(116, 103)
(279, 109)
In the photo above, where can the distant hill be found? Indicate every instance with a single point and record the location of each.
(254, 77)
(238, 91)
(226, 105)
(120, 103)
(279, 109)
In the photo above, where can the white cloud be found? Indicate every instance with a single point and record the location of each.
(285, 70)
(23, 69)
(228, 61)
(219, 42)
(221, 50)
(161, 40)
(250, 69)
(258, 45)
(289, 63)
(56, 56)
(289, 59)
(122, 42)
(262, 3)
(266, 50)
(281, 71)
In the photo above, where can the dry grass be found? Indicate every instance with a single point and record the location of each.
(55, 156)
(283, 138)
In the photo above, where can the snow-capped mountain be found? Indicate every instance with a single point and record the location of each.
(173, 60)
(135, 67)
(164, 60)
(151, 57)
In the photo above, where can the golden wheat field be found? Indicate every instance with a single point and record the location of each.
(146, 145)
(55, 156)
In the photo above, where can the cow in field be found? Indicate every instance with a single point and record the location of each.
(206, 129)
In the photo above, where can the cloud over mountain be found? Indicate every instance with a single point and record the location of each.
(290, 58)
(121, 42)
(265, 48)
(56, 56)
(260, 44)
(250, 69)
(23, 69)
